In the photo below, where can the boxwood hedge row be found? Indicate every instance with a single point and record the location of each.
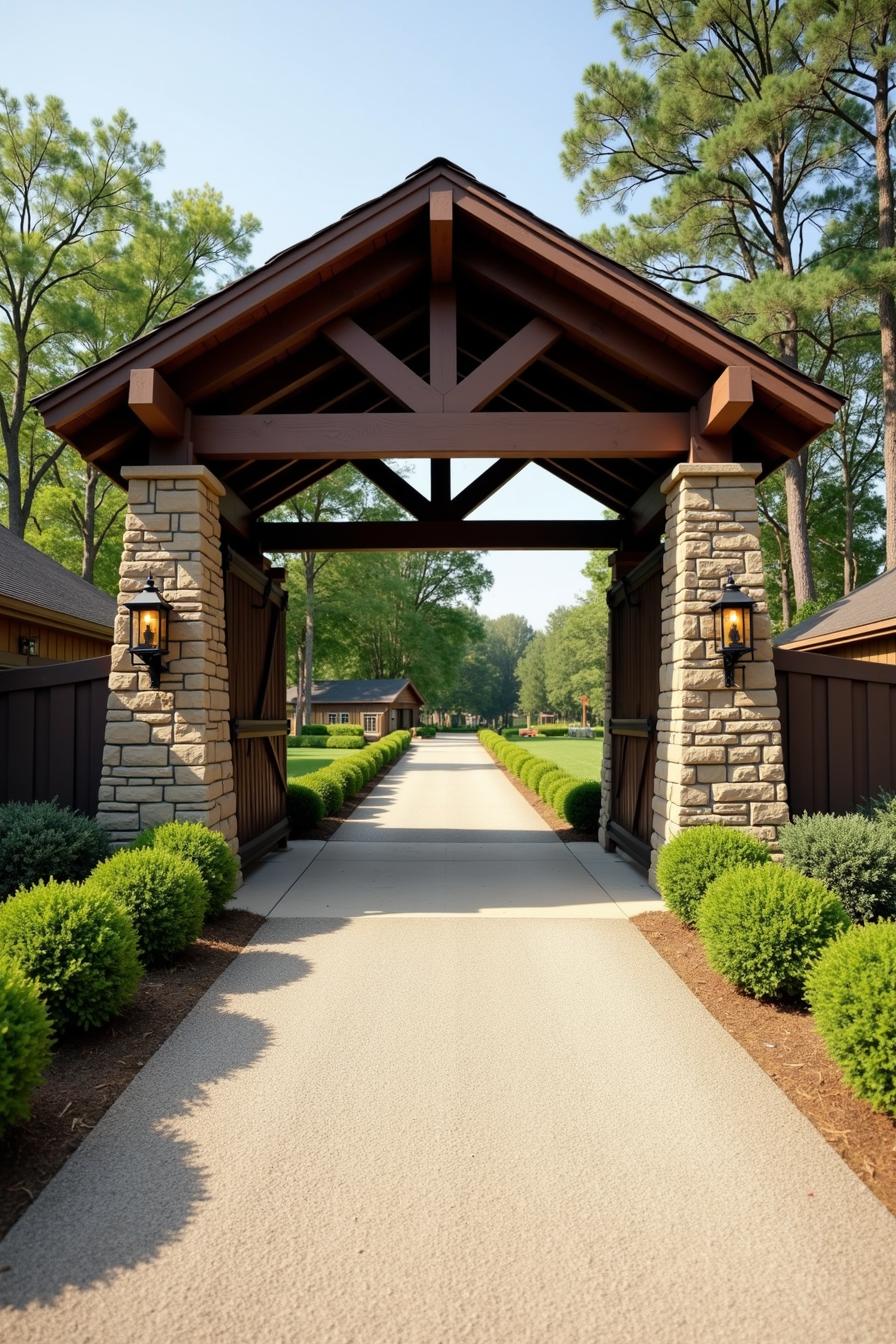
(574, 800)
(322, 792)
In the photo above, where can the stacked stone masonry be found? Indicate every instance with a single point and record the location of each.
(167, 754)
(719, 756)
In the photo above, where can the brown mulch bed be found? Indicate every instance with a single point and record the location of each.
(561, 828)
(784, 1043)
(89, 1071)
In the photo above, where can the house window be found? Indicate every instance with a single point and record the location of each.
(370, 723)
(344, 717)
(332, 717)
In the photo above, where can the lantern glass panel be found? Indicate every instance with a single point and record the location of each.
(147, 628)
(736, 627)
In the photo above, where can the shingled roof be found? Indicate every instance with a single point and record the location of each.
(357, 692)
(865, 611)
(30, 577)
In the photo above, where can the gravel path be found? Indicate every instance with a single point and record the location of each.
(420, 1125)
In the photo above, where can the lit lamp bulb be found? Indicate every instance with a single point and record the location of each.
(150, 630)
(734, 630)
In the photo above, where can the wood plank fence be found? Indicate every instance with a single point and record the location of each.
(52, 726)
(838, 726)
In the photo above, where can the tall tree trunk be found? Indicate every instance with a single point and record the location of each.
(798, 529)
(849, 546)
(309, 637)
(886, 234)
(88, 535)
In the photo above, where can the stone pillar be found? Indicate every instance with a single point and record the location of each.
(167, 755)
(719, 757)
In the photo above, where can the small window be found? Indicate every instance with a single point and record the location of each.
(332, 717)
(344, 717)
(370, 723)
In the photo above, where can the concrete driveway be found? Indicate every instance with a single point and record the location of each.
(396, 1121)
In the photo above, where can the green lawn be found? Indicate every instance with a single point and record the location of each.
(578, 756)
(302, 760)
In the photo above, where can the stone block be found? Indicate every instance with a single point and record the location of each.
(144, 756)
(129, 731)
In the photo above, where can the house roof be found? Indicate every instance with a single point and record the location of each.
(865, 612)
(358, 692)
(268, 344)
(35, 581)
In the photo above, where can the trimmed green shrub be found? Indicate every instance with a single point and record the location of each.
(41, 840)
(24, 1042)
(581, 806)
(764, 925)
(344, 730)
(526, 769)
(559, 788)
(350, 776)
(426, 730)
(537, 772)
(312, 740)
(697, 856)
(345, 743)
(328, 788)
(852, 855)
(78, 945)
(851, 991)
(209, 851)
(552, 730)
(304, 807)
(548, 780)
(316, 729)
(163, 893)
(293, 741)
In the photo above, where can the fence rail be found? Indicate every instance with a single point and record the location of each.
(52, 726)
(838, 727)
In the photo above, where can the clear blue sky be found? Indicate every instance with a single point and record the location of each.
(298, 112)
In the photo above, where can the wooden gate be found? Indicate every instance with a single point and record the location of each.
(255, 606)
(635, 670)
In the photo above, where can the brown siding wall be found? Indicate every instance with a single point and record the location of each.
(52, 728)
(838, 728)
(59, 646)
(879, 650)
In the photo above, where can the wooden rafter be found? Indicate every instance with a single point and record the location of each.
(595, 434)
(301, 478)
(290, 327)
(387, 370)
(510, 360)
(620, 343)
(726, 402)
(443, 338)
(441, 229)
(486, 484)
(440, 535)
(588, 479)
(440, 486)
(156, 404)
(396, 487)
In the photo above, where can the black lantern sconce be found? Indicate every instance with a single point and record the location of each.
(733, 622)
(149, 614)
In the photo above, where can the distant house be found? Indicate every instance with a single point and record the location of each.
(378, 706)
(48, 614)
(861, 625)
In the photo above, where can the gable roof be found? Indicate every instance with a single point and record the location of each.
(357, 691)
(866, 611)
(260, 345)
(35, 580)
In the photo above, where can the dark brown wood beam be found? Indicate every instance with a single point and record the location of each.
(290, 485)
(288, 328)
(646, 356)
(440, 486)
(384, 368)
(584, 477)
(551, 535)
(648, 512)
(441, 229)
(593, 434)
(395, 486)
(443, 337)
(726, 402)
(156, 404)
(511, 359)
(486, 484)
